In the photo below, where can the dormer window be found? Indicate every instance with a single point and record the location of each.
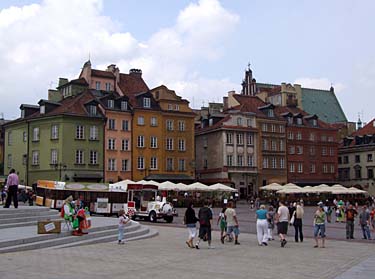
(146, 102)
(270, 113)
(124, 105)
(111, 103)
(170, 107)
(42, 109)
(92, 110)
(176, 107)
(299, 121)
(239, 121)
(290, 120)
(315, 122)
(97, 85)
(22, 113)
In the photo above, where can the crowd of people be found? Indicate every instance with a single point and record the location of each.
(282, 217)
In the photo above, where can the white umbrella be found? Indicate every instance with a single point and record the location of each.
(221, 187)
(272, 187)
(290, 191)
(291, 186)
(356, 191)
(168, 186)
(121, 185)
(197, 186)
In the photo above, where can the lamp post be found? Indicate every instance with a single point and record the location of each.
(60, 167)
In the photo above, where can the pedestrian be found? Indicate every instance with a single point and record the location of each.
(340, 212)
(271, 222)
(190, 221)
(282, 223)
(298, 216)
(232, 222)
(364, 222)
(12, 189)
(350, 215)
(319, 226)
(262, 225)
(205, 224)
(222, 224)
(372, 217)
(122, 221)
(3, 195)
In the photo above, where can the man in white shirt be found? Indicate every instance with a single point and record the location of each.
(232, 222)
(282, 222)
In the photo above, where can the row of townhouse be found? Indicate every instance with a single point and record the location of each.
(250, 143)
(103, 126)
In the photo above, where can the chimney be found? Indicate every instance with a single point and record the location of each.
(136, 73)
(115, 71)
(63, 81)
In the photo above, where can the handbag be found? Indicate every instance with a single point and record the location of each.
(292, 219)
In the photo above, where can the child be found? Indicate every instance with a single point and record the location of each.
(222, 224)
(122, 221)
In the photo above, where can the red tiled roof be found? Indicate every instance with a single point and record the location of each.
(369, 129)
(132, 84)
(215, 126)
(99, 73)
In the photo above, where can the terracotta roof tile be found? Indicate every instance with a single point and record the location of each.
(132, 84)
(100, 73)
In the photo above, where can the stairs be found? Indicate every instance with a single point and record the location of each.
(18, 231)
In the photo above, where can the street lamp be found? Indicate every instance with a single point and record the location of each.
(60, 167)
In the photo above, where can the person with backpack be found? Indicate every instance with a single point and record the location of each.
(205, 221)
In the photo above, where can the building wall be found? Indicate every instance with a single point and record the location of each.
(118, 154)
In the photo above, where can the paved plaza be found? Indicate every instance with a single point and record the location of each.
(167, 256)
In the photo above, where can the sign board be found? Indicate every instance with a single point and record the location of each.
(49, 227)
(102, 205)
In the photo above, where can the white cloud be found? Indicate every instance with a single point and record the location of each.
(53, 39)
(320, 83)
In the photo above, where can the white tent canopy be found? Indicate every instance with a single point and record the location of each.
(272, 187)
(221, 187)
(121, 185)
(197, 186)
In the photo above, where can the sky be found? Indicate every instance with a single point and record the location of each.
(198, 48)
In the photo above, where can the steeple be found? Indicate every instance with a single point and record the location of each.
(248, 83)
(359, 123)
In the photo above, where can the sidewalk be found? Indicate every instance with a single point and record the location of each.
(167, 256)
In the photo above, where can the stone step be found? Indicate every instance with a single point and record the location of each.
(44, 237)
(142, 233)
(24, 224)
(23, 209)
(28, 214)
(47, 215)
(68, 240)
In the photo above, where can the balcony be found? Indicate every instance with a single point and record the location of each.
(243, 169)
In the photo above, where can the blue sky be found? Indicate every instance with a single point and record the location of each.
(198, 48)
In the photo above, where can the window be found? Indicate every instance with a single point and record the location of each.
(93, 157)
(79, 157)
(312, 150)
(125, 125)
(154, 121)
(10, 138)
(249, 123)
(239, 160)
(273, 163)
(273, 145)
(92, 110)
(35, 158)
(332, 168)
(340, 160)
(299, 136)
(169, 125)
(169, 144)
(170, 107)
(250, 160)
(181, 125)
(282, 163)
(291, 167)
(370, 173)
(94, 133)
(299, 150)
(111, 144)
(312, 168)
(36, 134)
(357, 173)
(169, 164)
(270, 113)
(273, 128)
(146, 102)
(107, 86)
(42, 109)
(111, 124)
(124, 105)
(111, 103)
(154, 142)
(111, 164)
(291, 149)
(140, 163)
(229, 138)
(346, 160)
(324, 151)
(154, 163)
(299, 121)
(125, 145)
(300, 168)
(124, 165)
(181, 165)
(239, 138)
(239, 121)
(290, 120)
(24, 136)
(281, 129)
(249, 139)
(54, 158)
(205, 163)
(10, 161)
(314, 122)
(312, 137)
(265, 163)
(264, 127)
(282, 146)
(325, 168)
(80, 132)
(331, 152)
(265, 144)
(176, 107)
(181, 145)
(330, 139)
(323, 138)
(357, 159)
(54, 132)
(290, 135)
(97, 85)
(229, 160)
(141, 120)
(141, 141)
(369, 157)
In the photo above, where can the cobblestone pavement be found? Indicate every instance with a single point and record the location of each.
(167, 256)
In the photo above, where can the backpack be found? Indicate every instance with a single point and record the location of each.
(204, 216)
